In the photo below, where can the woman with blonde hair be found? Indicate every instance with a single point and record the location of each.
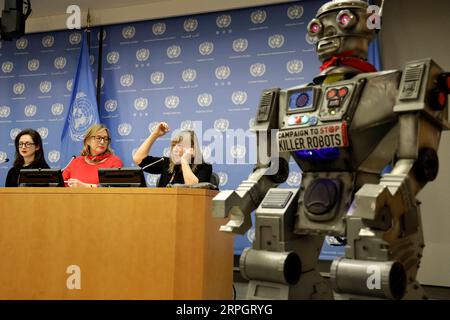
(185, 164)
(82, 172)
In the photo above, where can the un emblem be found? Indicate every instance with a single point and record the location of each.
(7, 66)
(30, 110)
(206, 153)
(45, 86)
(69, 85)
(294, 179)
(294, 66)
(5, 111)
(187, 125)
(223, 72)
(257, 69)
(103, 35)
(251, 122)
(189, 75)
(142, 55)
(157, 77)
(276, 41)
(152, 126)
(53, 156)
(3, 156)
(126, 80)
(251, 235)
(112, 57)
(13, 133)
(128, 32)
(91, 59)
(223, 21)
(81, 117)
(173, 51)
(221, 125)
(21, 43)
(48, 41)
(18, 88)
(33, 65)
(295, 12)
(190, 25)
(223, 178)
(172, 102)
(258, 16)
(206, 48)
(159, 28)
(204, 100)
(57, 109)
(43, 132)
(240, 45)
(60, 63)
(111, 105)
(102, 82)
(124, 129)
(239, 97)
(311, 40)
(238, 151)
(75, 38)
(152, 179)
(140, 104)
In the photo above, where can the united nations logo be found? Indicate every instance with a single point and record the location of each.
(173, 51)
(102, 82)
(295, 12)
(223, 21)
(7, 66)
(239, 97)
(13, 133)
(75, 38)
(152, 179)
(221, 125)
(189, 75)
(257, 69)
(30, 110)
(5, 111)
(33, 65)
(276, 41)
(112, 57)
(3, 156)
(206, 48)
(190, 25)
(157, 77)
(187, 125)
(111, 105)
(69, 85)
(172, 102)
(81, 117)
(240, 45)
(43, 132)
(21, 43)
(258, 16)
(142, 55)
(124, 129)
(18, 88)
(294, 66)
(57, 109)
(311, 40)
(126, 80)
(223, 72)
(238, 151)
(204, 100)
(294, 179)
(251, 122)
(53, 156)
(128, 32)
(159, 28)
(45, 86)
(60, 63)
(103, 35)
(48, 41)
(166, 152)
(91, 59)
(223, 178)
(251, 235)
(206, 153)
(140, 104)
(152, 126)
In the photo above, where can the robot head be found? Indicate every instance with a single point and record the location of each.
(341, 26)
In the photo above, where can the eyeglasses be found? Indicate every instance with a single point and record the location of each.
(99, 139)
(26, 144)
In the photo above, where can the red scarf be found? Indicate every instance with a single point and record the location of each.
(346, 59)
(99, 157)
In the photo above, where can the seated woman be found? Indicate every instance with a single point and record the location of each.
(29, 155)
(82, 172)
(185, 165)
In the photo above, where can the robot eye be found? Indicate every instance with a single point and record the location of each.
(315, 27)
(346, 19)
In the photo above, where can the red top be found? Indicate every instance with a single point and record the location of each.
(88, 173)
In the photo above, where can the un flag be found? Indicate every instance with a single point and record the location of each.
(83, 111)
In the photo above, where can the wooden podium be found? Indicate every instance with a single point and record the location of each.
(134, 243)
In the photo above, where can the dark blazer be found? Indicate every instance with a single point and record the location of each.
(12, 179)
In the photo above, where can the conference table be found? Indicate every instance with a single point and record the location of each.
(112, 243)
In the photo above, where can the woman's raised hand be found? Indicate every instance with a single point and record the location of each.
(161, 129)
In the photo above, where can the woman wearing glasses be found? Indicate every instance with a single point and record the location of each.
(29, 155)
(82, 172)
(185, 165)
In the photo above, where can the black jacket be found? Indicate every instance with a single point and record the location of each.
(12, 179)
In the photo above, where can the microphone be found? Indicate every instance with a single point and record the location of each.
(149, 165)
(71, 159)
(4, 160)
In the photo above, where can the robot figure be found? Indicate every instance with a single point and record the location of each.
(342, 130)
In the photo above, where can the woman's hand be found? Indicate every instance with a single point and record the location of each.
(161, 129)
(75, 183)
(187, 155)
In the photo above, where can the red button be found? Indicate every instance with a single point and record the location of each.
(331, 93)
(343, 92)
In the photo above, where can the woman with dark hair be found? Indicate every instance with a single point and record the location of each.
(185, 164)
(29, 155)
